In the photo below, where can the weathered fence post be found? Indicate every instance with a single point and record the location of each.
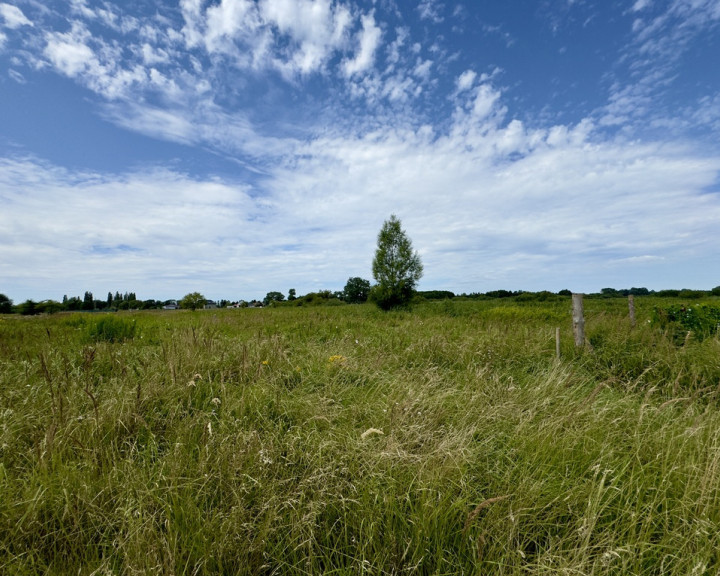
(557, 342)
(631, 307)
(578, 320)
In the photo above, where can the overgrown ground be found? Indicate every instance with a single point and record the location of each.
(343, 440)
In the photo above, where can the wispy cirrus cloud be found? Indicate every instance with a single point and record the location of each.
(654, 59)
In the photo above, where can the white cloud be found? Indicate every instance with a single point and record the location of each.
(486, 98)
(423, 68)
(69, 53)
(192, 14)
(564, 207)
(228, 21)
(296, 37)
(152, 56)
(369, 40)
(13, 16)
(15, 75)
(430, 10)
(641, 5)
(169, 229)
(466, 80)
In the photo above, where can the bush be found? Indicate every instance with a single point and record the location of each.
(701, 319)
(112, 329)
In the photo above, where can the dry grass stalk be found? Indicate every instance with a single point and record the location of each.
(480, 507)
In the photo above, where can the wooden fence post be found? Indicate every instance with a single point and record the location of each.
(631, 307)
(557, 343)
(578, 320)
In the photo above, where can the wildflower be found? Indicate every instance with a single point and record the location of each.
(264, 458)
(336, 358)
(215, 401)
(265, 362)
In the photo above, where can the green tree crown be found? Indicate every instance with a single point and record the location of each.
(192, 301)
(396, 267)
(356, 290)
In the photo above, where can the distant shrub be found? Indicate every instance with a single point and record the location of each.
(500, 294)
(112, 329)
(322, 298)
(436, 294)
(543, 296)
(691, 294)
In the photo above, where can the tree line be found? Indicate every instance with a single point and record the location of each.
(396, 268)
(113, 302)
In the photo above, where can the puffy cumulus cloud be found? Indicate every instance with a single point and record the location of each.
(295, 37)
(485, 101)
(317, 27)
(466, 80)
(69, 53)
(13, 17)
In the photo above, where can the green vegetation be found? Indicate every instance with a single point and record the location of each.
(356, 290)
(347, 440)
(396, 267)
(111, 329)
(192, 301)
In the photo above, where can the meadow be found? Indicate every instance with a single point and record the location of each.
(448, 439)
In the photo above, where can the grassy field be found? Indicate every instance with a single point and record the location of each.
(344, 440)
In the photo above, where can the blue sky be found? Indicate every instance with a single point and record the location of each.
(235, 147)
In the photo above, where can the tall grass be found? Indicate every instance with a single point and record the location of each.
(343, 440)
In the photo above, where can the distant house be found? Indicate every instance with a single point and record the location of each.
(210, 305)
(239, 304)
(171, 305)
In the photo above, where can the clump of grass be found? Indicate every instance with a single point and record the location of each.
(111, 329)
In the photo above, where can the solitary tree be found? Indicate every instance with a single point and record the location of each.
(192, 301)
(396, 268)
(356, 290)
